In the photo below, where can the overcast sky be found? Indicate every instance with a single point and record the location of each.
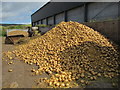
(18, 12)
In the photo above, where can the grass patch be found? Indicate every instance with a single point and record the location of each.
(3, 33)
(3, 29)
(18, 26)
(0, 27)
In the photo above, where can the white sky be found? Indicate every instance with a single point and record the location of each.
(18, 12)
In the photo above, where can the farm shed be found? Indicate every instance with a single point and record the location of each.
(53, 13)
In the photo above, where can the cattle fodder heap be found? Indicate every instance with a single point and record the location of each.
(70, 52)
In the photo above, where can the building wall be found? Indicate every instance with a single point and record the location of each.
(50, 20)
(44, 21)
(52, 8)
(59, 18)
(76, 14)
(40, 22)
(102, 11)
(95, 11)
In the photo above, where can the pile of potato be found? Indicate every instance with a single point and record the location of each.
(70, 52)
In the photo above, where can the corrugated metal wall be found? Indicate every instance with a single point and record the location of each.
(40, 22)
(60, 17)
(102, 11)
(50, 21)
(44, 21)
(95, 11)
(76, 14)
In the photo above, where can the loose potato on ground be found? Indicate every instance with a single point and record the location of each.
(68, 52)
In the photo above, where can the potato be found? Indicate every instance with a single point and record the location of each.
(10, 70)
(82, 81)
(68, 52)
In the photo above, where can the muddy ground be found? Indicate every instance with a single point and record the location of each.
(22, 77)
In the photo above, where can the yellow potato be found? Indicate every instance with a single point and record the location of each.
(72, 51)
